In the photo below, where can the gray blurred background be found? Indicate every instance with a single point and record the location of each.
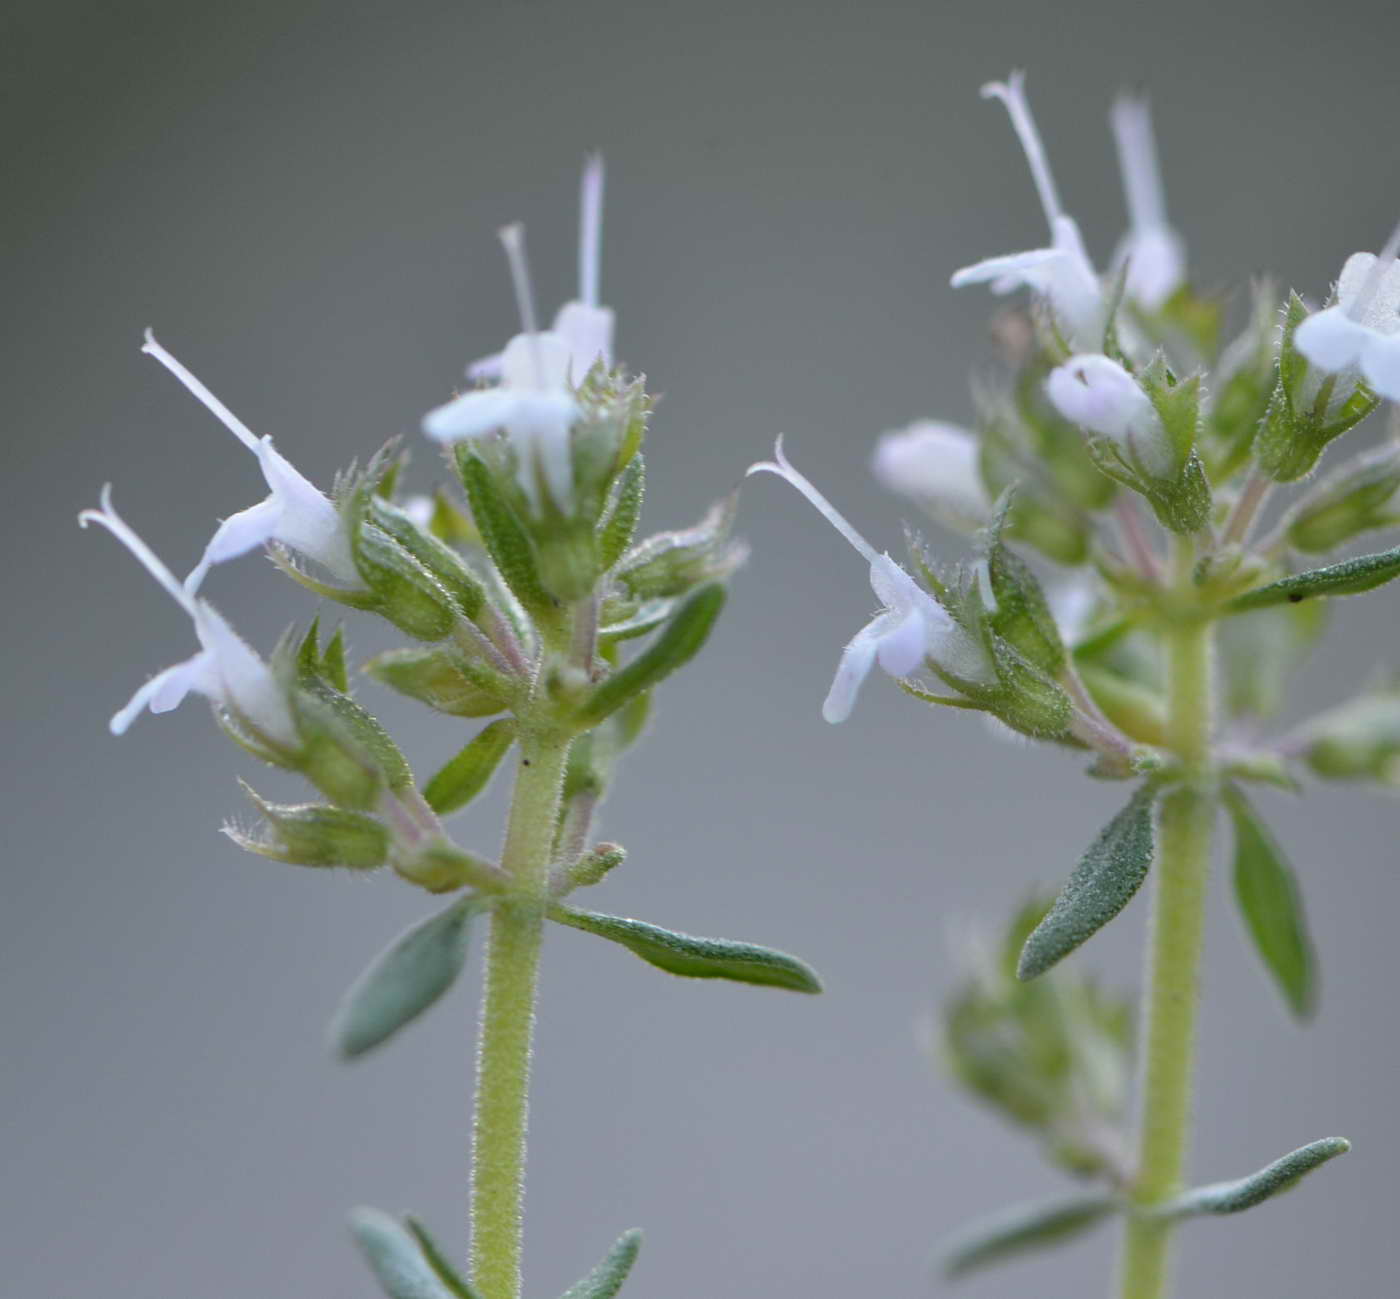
(300, 197)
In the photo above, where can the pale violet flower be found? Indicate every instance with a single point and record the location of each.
(1100, 396)
(225, 670)
(935, 465)
(1362, 329)
(1152, 251)
(1062, 273)
(585, 325)
(534, 401)
(910, 627)
(296, 513)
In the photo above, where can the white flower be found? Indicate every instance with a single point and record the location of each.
(585, 325)
(1099, 395)
(297, 513)
(1362, 329)
(533, 402)
(910, 627)
(225, 670)
(1153, 251)
(1061, 273)
(935, 465)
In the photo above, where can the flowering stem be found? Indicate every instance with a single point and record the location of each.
(508, 1019)
(1174, 955)
(1256, 491)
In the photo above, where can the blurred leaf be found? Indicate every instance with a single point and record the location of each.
(404, 979)
(466, 775)
(399, 1262)
(1023, 1229)
(437, 1260)
(695, 958)
(1350, 577)
(1109, 874)
(1233, 1197)
(606, 1279)
(1272, 906)
(617, 529)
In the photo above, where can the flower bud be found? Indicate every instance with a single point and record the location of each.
(1359, 740)
(671, 564)
(1101, 397)
(1360, 497)
(312, 834)
(936, 466)
(443, 678)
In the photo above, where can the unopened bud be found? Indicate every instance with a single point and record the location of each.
(1360, 497)
(1100, 396)
(936, 466)
(312, 834)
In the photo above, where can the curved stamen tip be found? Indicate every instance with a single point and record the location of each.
(108, 518)
(196, 389)
(512, 238)
(1012, 93)
(151, 346)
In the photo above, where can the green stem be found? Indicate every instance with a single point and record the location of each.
(508, 1021)
(1173, 964)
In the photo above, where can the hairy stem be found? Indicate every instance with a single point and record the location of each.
(1173, 962)
(508, 1020)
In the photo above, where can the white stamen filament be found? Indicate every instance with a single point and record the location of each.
(590, 229)
(513, 239)
(781, 466)
(1012, 93)
(107, 517)
(225, 416)
(1131, 119)
(1385, 259)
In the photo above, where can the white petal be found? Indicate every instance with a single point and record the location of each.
(856, 661)
(1099, 394)
(902, 645)
(936, 465)
(486, 367)
(1011, 270)
(1156, 260)
(1381, 308)
(1331, 339)
(1380, 363)
(237, 535)
(588, 332)
(238, 678)
(539, 426)
(310, 523)
(161, 693)
(470, 415)
(538, 362)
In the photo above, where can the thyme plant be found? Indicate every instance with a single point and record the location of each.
(519, 600)
(1123, 603)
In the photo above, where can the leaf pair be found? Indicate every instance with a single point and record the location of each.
(409, 1264)
(423, 962)
(1037, 1226)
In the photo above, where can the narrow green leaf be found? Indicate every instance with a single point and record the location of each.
(437, 1260)
(1103, 884)
(1272, 905)
(679, 642)
(333, 666)
(695, 958)
(403, 980)
(606, 1279)
(505, 538)
(397, 1260)
(466, 775)
(1350, 577)
(1281, 1175)
(1022, 1229)
(616, 531)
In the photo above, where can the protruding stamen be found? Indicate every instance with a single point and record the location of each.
(513, 239)
(108, 518)
(1385, 259)
(225, 416)
(1131, 119)
(1012, 93)
(781, 466)
(590, 229)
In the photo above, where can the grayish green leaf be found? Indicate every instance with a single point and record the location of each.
(1022, 1229)
(466, 775)
(1272, 906)
(1233, 1197)
(617, 529)
(1350, 577)
(397, 1260)
(1109, 874)
(606, 1279)
(404, 980)
(695, 958)
(437, 1260)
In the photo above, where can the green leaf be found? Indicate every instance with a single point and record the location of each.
(1350, 577)
(437, 1260)
(442, 678)
(404, 979)
(438, 559)
(678, 643)
(1022, 1229)
(398, 1261)
(617, 529)
(504, 536)
(606, 1279)
(1233, 1197)
(1103, 884)
(1272, 905)
(312, 834)
(462, 779)
(695, 958)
